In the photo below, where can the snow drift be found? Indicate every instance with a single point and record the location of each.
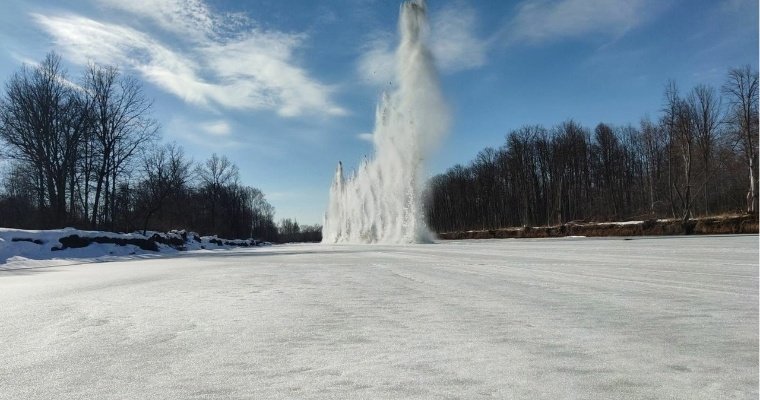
(17, 246)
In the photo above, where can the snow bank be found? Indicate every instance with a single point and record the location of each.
(20, 247)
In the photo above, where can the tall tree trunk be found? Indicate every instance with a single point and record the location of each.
(707, 184)
(670, 180)
(72, 190)
(113, 200)
(687, 175)
(98, 191)
(752, 195)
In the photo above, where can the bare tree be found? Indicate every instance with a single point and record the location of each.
(42, 119)
(484, 193)
(541, 177)
(121, 125)
(19, 194)
(704, 105)
(166, 172)
(607, 155)
(669, 123)
(262, 216)
(685, 130)
(215, 174)
(679, 124)
(289, 230)
(742, 91)
(652, 145)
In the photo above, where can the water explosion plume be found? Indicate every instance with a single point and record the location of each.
(382, 201)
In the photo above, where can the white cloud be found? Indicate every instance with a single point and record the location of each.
(544, 20)
(452, 40)
(83, 40)
(377, 62)
(24, 59)
(455, 44)
(368, 137)
(213, 135)
(217, 128)
(216, 60)
(263, 74)
(185, 17)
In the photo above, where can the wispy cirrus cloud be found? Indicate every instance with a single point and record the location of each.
(453, 40)
(545, 20)
(217, 128)
(376, 64)
(216, 60)
(184, 17)
(216, 135)
(455, 44)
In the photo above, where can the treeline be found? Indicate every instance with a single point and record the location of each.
(86, 154)
(289, 231)
(697, 158)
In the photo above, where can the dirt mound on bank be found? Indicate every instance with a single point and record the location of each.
(734, 224)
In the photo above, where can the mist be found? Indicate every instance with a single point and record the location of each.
(381, 202)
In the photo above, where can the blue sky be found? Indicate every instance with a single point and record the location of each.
(286, 88)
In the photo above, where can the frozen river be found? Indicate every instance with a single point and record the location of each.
(649, 318)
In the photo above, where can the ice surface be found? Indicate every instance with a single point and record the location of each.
(649, 318)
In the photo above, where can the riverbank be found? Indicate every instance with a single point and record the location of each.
(731, 224)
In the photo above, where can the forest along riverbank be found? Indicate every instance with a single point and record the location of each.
(734, 224)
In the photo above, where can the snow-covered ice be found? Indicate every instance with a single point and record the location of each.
(649, 318)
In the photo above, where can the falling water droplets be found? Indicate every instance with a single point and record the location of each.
(382, 201)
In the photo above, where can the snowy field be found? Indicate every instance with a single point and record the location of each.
(649, 318)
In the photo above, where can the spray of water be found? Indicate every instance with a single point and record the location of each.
(382, 201)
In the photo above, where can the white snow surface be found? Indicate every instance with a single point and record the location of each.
(587, 318)
(23, 252)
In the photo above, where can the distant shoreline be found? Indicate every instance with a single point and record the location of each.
(733, 224)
